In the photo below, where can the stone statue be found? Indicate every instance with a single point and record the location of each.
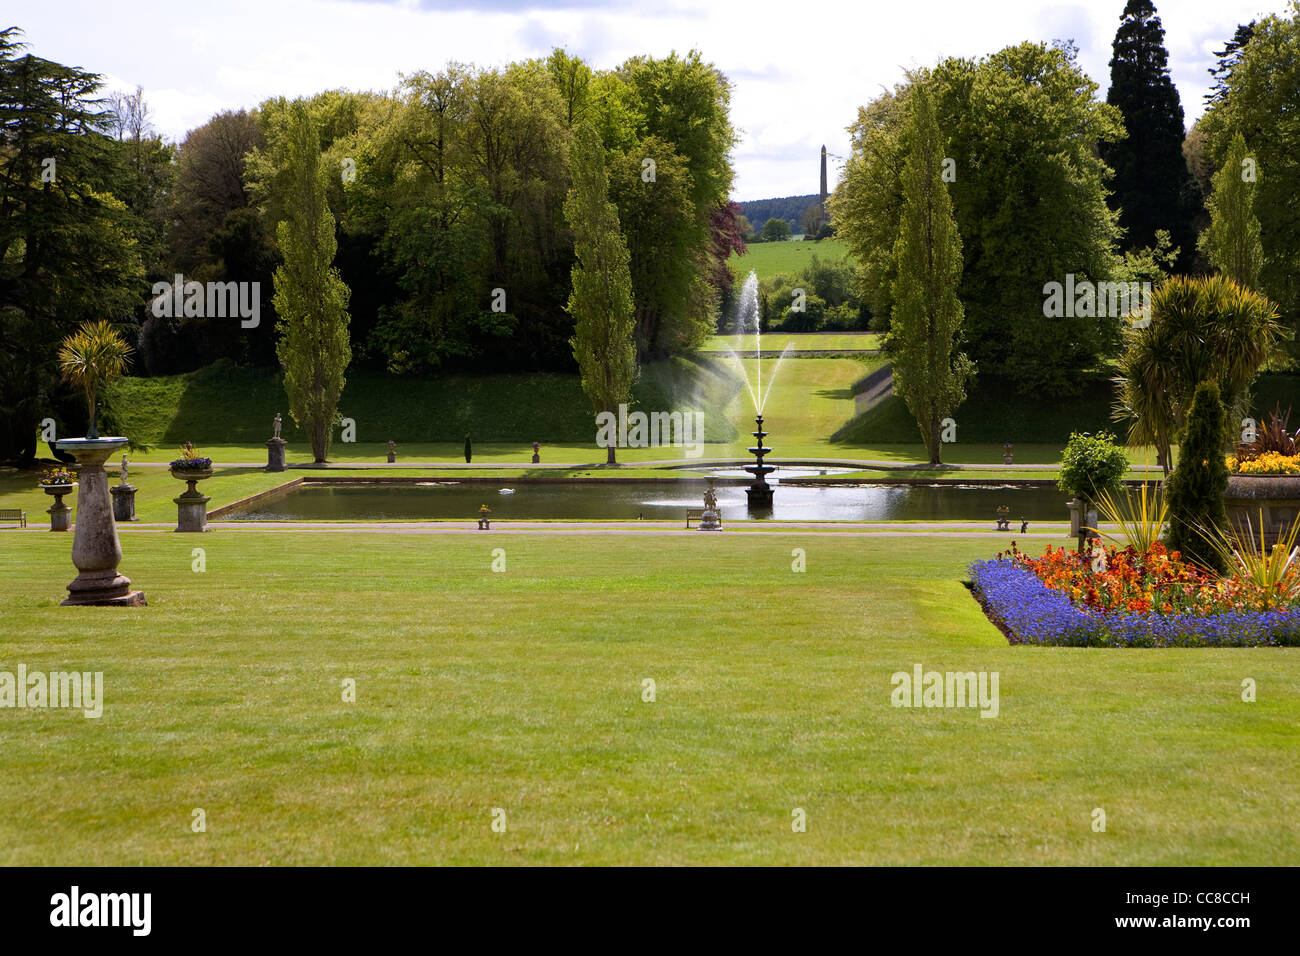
(276, 426)
(124, 469)
(710, 520)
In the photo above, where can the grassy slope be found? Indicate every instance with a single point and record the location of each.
(788, 258)
(226, 406)
(522, 690)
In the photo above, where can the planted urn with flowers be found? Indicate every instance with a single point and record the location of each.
(191, 466)
(1264, 479)
(192, 504)
(57, 482)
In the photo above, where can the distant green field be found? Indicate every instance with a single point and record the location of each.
(806, 342)
(773, 258)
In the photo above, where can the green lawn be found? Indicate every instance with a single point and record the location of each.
(785, 258)
(522, 691)
(807, 342)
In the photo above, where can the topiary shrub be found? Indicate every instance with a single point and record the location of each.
(1196, 488)
(1091, 466)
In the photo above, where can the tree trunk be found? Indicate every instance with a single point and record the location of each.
(609, 456)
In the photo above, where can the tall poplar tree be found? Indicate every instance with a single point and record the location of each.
(930, 374)
(603, 342)
(1232, 243)
(1152, 188)
(311, 298)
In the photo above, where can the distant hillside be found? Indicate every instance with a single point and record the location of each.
(789, 208)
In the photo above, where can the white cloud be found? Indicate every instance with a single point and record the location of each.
(800, 70)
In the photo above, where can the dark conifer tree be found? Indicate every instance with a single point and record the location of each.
(1152, 188)
(1229, 57)
(1195, 490)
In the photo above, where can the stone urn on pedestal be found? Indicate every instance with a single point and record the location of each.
(56, 483)
(192, 505)
(96, 550)
(1262, 503)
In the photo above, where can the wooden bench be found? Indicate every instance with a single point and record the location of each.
(14, 514)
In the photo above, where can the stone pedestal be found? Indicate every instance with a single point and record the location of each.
(60, 514)
(192, 505)
(96, 550)
(1076, 519)
(123, 502)
(274, 454)
(709, 521)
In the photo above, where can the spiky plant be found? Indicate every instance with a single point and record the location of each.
(1206, 328)
(93, 356)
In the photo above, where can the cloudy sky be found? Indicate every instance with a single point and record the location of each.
(800, 69)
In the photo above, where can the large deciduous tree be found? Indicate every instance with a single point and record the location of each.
(601, 301)
(1028, 196)
(1152, 188)
(311, 298)
(930, 373)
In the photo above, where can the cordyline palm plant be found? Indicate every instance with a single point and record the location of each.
(93, 357)
(1140, 514)
(1269, 568)
(1206, 328)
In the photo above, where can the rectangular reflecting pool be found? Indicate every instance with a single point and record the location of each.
(629, 500)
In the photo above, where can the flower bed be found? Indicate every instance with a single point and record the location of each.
(1269, 463)
(1150, 600)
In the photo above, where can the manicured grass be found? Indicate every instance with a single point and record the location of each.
(807, 342)
(523, 690)
(223, 405)
(785, 258)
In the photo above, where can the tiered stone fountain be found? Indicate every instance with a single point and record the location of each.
(760, 492)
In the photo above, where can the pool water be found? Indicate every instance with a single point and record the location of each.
(629, 500)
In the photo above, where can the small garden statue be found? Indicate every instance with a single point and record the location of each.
(710, 520)
(392, 451)
(124, 469)
(1006, 453)
(1004, 518)
(484, 522)
(275, 426)
(537, 458)
(1024, 525)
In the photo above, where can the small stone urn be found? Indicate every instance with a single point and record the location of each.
(60, 514)
(96, 550)
(192, 505)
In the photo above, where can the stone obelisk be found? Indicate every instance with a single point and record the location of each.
(821, 209)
